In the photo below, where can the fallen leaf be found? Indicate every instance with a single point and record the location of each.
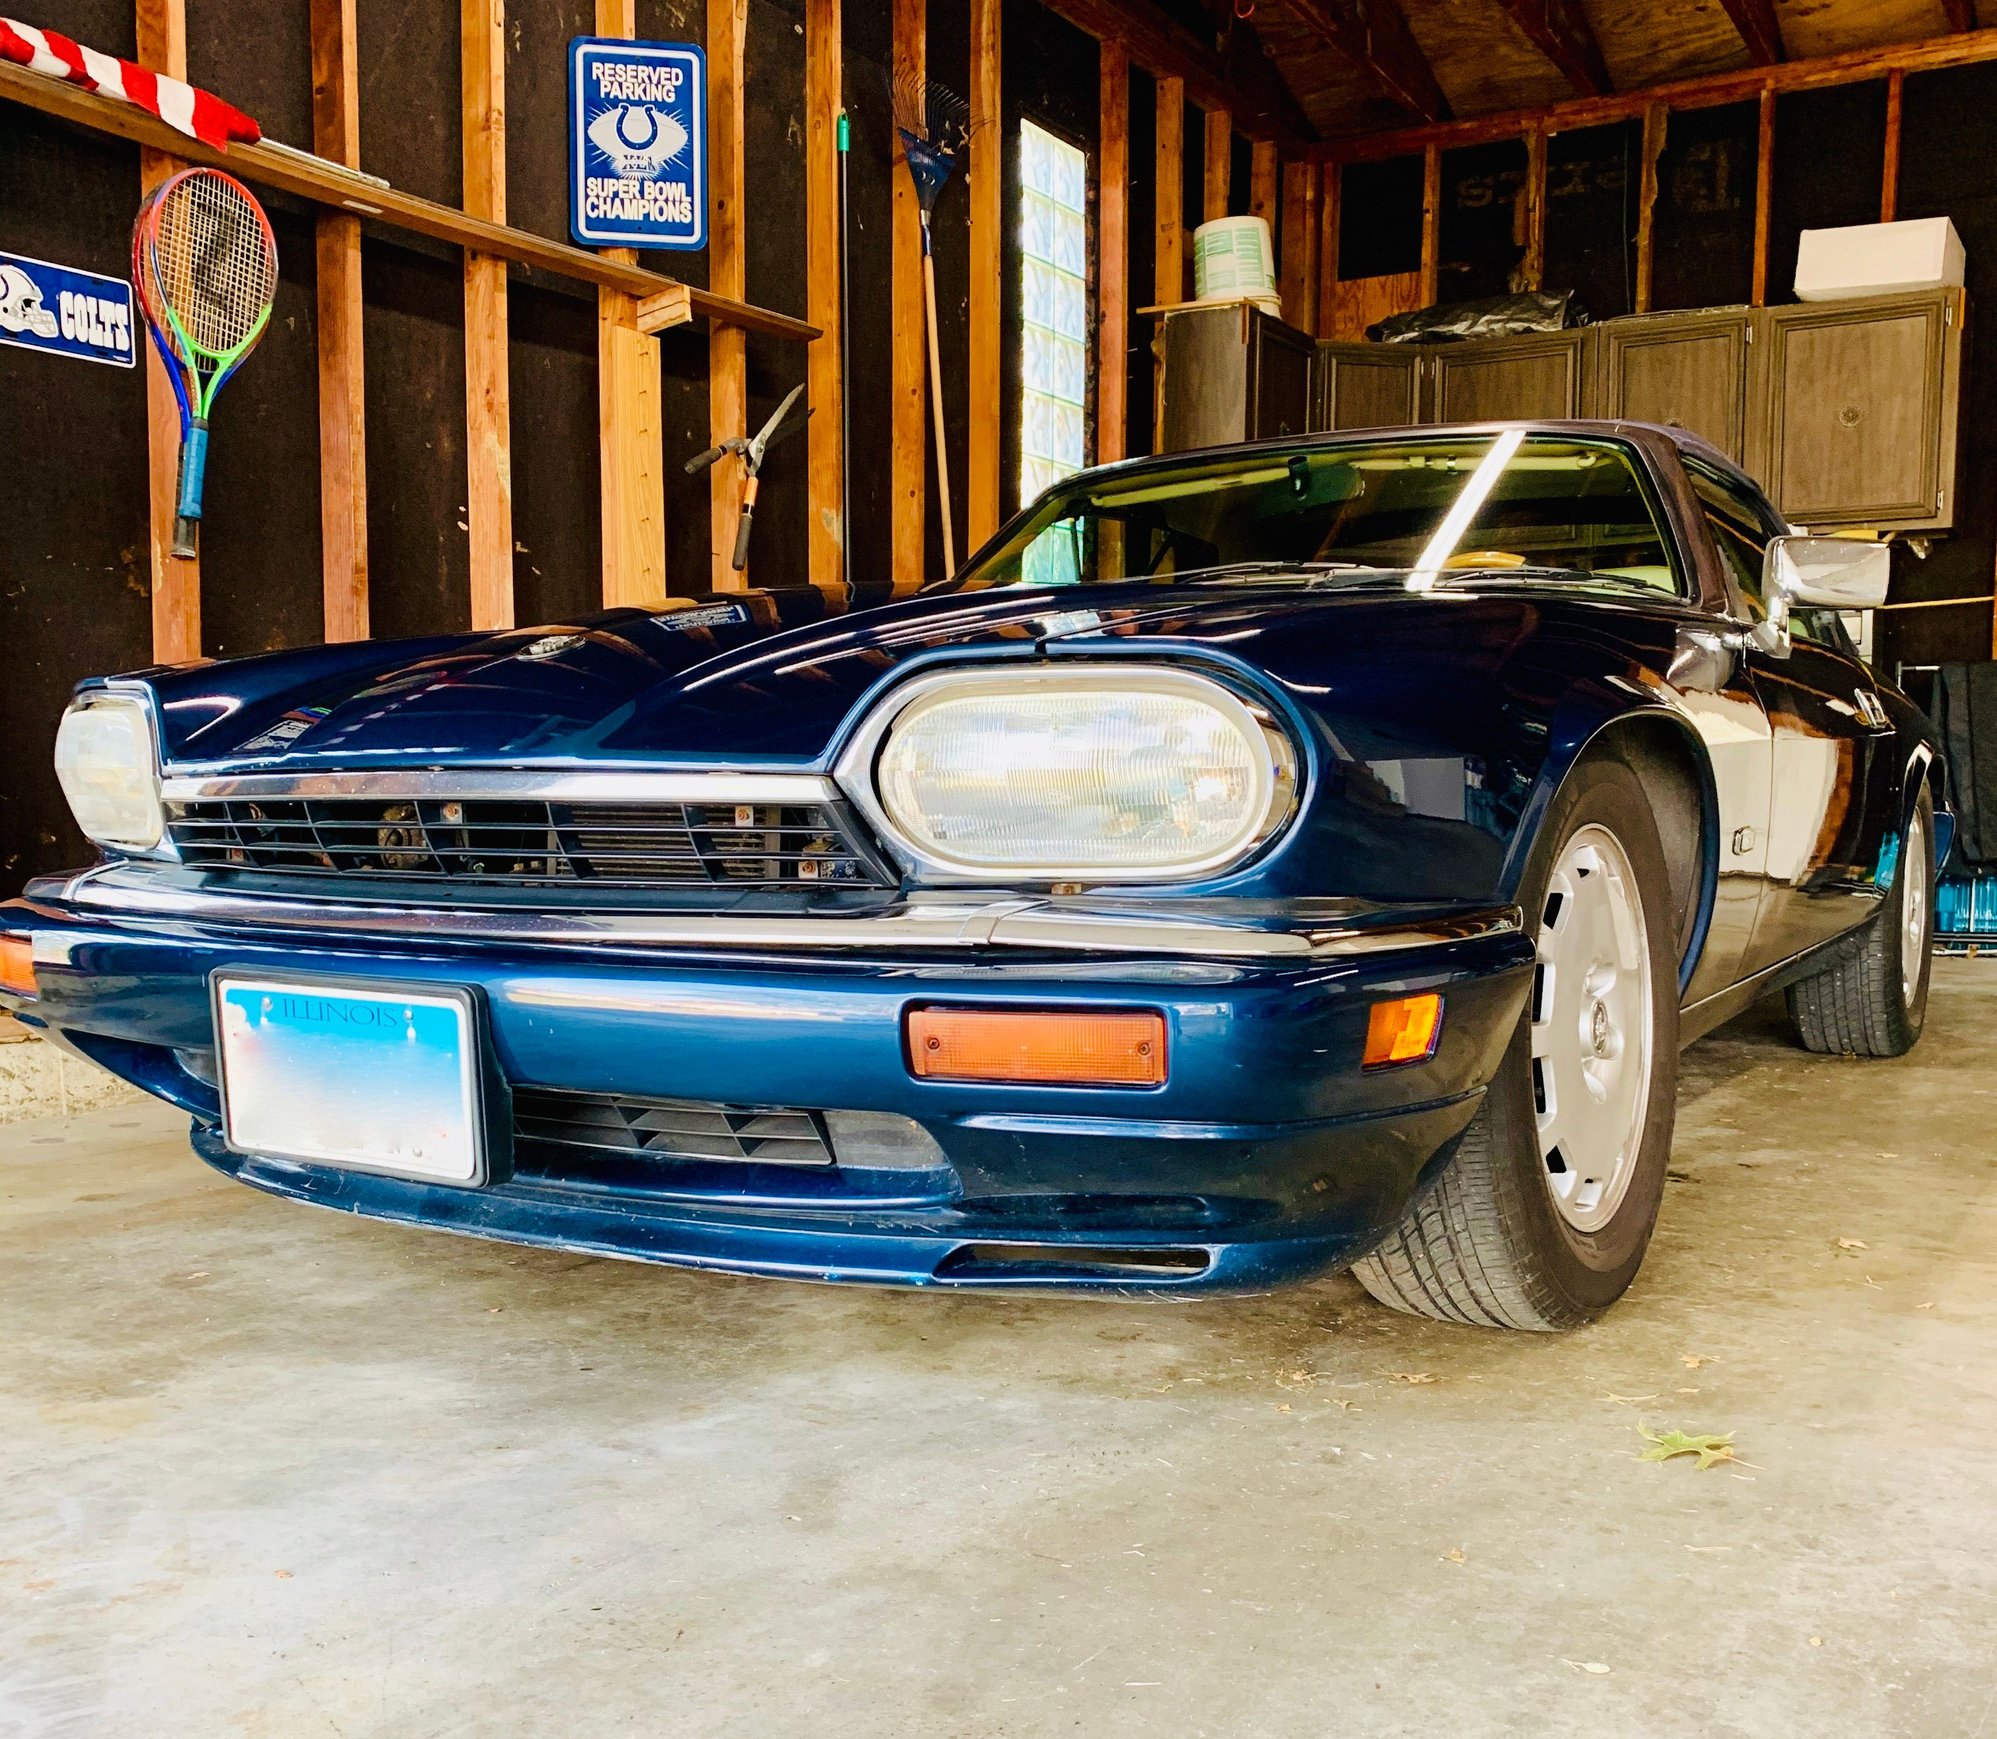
(1585, 1666)
(1282, 1407)
(1455, 1555)
(1412, 1378)
(1629, 1400)
(1345, 1406)
(1816, 1642)
(1692, 1361)
(1711, 1448)
(1686, 1391)
(284, 1575)
(1853, 1244)
(1927, 1306)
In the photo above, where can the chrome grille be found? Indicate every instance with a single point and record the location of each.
(745, 845)
(602, 1126)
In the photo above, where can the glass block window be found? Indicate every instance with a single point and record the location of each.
(1054, 269)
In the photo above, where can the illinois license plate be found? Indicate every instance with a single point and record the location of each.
(379, 1078)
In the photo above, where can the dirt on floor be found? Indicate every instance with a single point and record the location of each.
(266, 1471)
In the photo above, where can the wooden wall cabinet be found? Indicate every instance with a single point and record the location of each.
(1232, 373)
(1368, 386)
(1846, 412)
(1542, 376)
(1857, 408)
(1686, 371)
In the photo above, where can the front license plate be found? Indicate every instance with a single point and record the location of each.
(369, 1077)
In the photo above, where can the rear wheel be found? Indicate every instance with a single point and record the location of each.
(1541, 1217)
(1871, 999)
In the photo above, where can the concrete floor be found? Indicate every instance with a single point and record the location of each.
(267, 1472)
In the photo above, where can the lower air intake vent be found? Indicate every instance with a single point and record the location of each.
(602, 1126)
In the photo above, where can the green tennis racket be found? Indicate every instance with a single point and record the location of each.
(204, 263)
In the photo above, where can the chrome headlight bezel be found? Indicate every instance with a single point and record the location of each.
(144, 830)
(1272, 809)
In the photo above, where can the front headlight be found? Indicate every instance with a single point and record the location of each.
(1103, 774)
(104, 759)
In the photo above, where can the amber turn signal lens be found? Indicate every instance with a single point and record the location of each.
(17, 966)
(1403, 1031)
(1113, 1048)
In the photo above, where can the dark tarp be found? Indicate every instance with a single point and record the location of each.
(1966, 714)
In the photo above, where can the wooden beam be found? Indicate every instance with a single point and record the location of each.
(987, 190)
(488, 428)
(176, 583)
(1655, 121)
(1764, 194)
(1759, 28)
(825, 436)
(1532, 265)
(343, 497)
(1301, 184)
(1431, 226)
(1710, 91)
(1265, 172)
(312, 178)
(1218, 163)
(1168, 272)
(727, 275)
(1560, 30)
(1331, 189)
(630, 432)
(908, 360)
(1374, 35)
(1240, 78)
(1112, 255)
(1889, 175)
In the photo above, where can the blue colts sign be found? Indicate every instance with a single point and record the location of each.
(65, 312)
(637, 143)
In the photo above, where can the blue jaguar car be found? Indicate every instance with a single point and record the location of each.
(1253, 864)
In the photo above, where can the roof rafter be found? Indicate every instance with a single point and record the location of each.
(1375, 33)
(1242, 81)
(1761, 30)
(1560, 30)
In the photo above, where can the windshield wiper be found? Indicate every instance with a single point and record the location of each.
(1255, 570)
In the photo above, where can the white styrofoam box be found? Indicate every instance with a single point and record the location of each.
(1877, 259)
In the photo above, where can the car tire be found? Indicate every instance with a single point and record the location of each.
(1871, 999)
(1529, 1226)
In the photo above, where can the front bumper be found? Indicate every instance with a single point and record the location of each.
(1268, 1155)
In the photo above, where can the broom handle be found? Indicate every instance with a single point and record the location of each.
(936, 400)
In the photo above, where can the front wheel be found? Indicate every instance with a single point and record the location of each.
(1871, 999)
(1542, 1215)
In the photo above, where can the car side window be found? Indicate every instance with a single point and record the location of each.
(1742, 528)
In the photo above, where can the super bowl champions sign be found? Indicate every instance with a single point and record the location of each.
(637, 143)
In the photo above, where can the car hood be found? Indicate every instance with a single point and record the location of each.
(769, 679)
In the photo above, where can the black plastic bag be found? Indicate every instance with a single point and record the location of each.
(1493, 317)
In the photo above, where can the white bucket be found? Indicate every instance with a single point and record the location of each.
(1233, 257)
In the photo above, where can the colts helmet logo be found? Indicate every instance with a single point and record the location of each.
(639, 141)
(21, 306)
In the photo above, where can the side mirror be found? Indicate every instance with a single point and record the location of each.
(1819, 573)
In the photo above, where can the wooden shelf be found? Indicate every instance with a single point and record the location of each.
(324, 183)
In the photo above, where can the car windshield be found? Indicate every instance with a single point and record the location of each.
(1411, 511)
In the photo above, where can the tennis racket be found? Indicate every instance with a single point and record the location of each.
(204, 264)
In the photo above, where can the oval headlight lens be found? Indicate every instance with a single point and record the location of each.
(1127, 775)
(104, 760)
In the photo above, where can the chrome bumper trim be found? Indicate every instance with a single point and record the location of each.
(938, 921)
(474, 784)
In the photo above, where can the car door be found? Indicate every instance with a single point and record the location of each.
(1717, 693)
(1831, 743)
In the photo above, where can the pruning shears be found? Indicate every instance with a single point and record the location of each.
(751, 450)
